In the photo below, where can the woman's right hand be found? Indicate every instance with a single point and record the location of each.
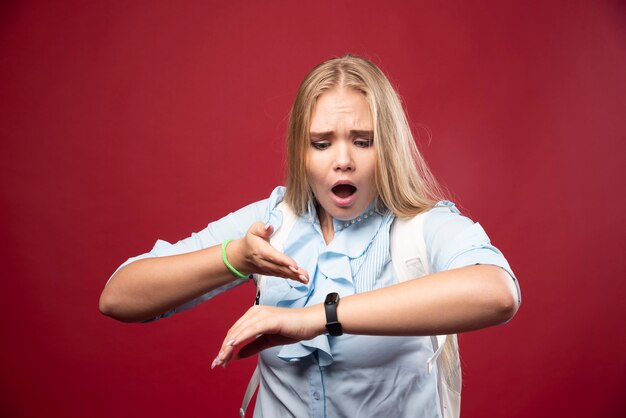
(254, 254)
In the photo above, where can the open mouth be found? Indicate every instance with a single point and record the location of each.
(344, 190)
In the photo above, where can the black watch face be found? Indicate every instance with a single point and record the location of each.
(334, 329)
(332, 298)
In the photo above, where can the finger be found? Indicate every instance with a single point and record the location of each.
(263, 251)
(301, 274)
(262, 230)
(226, 348)
(284, 266)
(256, 321)
(222, 358)
(270, 268)
(259, 326)
(269, 260)
(288, 272)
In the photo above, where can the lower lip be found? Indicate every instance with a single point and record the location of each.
(344, 202)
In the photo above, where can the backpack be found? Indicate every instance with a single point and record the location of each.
(409, 259)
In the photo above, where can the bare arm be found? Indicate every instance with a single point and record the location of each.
(151, 286)
(452, 301)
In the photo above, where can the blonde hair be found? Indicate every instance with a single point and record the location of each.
(404, 183)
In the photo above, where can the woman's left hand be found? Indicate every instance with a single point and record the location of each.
(273, 326)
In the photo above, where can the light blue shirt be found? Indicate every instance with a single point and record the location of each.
(350, 375)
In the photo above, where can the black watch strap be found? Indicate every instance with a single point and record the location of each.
(333, 326)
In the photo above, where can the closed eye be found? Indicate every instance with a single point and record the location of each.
(363, 143)
(320, 145)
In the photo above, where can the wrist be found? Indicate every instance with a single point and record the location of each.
(232, 255)
(317, 317)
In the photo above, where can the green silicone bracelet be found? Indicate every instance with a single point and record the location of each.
(230, 266)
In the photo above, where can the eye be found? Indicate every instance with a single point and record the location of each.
(363, 142)
(320, 145)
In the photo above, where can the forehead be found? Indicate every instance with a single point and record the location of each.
(341, 107)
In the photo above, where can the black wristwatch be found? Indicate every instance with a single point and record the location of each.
(330, 306)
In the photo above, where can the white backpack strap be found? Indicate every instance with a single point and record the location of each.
(438, 342)
(280, 235)
(449, 378)
(410, 261)
(252, 385)
(408, 249)
(277, 240)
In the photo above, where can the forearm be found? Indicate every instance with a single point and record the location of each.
(151, 286)
(453, 301)
(449, 302)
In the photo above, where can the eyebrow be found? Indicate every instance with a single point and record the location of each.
(354, 133)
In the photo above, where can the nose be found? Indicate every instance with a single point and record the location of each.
(343, 158)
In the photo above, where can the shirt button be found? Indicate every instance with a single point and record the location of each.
(316, 395)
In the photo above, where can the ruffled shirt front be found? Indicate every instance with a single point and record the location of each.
(351, 263)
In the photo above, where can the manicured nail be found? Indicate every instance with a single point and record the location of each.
(303, 278)
(231, 342)
(214, 363)
(292, 268)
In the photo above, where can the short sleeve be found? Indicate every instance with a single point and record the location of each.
(454, 241)
(232, 226)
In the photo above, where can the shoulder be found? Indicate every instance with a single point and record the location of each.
(428, 232)
(442, 219)
(444, 215)
(274, 210)
(445, 227)
(453, 240)
(275, 206)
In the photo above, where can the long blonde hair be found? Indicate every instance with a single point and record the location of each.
(404, 182)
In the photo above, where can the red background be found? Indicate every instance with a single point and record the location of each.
(123, 122)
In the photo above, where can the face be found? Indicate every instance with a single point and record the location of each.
(341, 161)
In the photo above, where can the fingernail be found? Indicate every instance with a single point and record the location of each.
(224, 365)
(214, 363)
(268, 226)
(292, 268)
(303, 278)
(231, 342)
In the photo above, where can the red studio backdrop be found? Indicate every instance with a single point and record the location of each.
(125, 122)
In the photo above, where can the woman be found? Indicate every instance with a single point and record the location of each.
(353, 170)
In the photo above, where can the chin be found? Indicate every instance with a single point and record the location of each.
(346, 214)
